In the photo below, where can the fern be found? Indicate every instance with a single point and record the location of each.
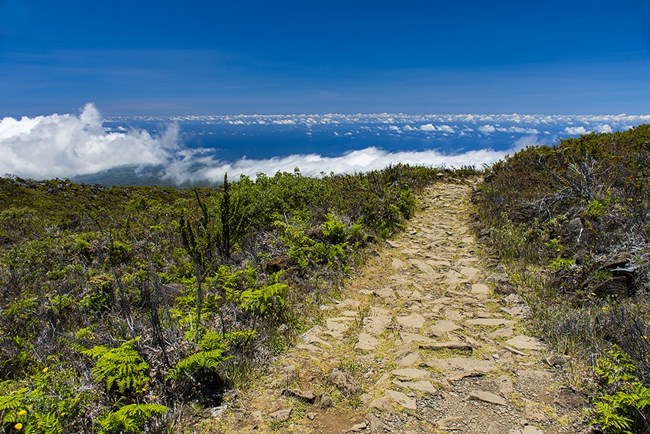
(45, 424)
(212, 340)
(258, 301)
(120, 368)
(621, 406)
(12, 402)
(201, 361)
(130, 418)
(261, 300)
(615, 367)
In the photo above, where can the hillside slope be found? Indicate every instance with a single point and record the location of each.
(570, 225)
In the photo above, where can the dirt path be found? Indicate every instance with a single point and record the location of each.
(419, 343)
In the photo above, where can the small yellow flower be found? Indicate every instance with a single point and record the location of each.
(22, 412)
(45, 369)
(18, 426)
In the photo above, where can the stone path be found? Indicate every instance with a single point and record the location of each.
(419, 343)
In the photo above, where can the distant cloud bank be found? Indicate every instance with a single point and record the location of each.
(72, 145)
(69, 145)
(313, 165)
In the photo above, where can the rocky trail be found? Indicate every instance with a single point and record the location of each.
(418, 343)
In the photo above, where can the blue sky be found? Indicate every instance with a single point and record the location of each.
(217, 57)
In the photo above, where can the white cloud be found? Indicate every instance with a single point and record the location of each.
(575, 131)
(370, 158)
(438, 128)
(68, 145)
(487, 129)
(518, 130)
(604, 128)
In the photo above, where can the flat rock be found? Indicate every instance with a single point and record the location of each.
(480, 289)
(519, 311)
(489, 322)
(489, 397)
(375, 424)
(462, 364)
(281, 415)
(382, 404)
(398, 264)
(504, 332)
(377, 321)
(535, 377)
(442, 300)
(408, 338)
(384, 293)
(366, 342)
(409, 360)
(336, 328)
(403, 293)
(450, 345)
(411, 373)
(413, 320)
(470, 273)
(442, 327)
(438, 263)
(401, 399)
(420, 386)
(453, 277)
(422, 266)
(523, 342)
(505, 385)
(454, 315)
(303, 395)
(313, 339)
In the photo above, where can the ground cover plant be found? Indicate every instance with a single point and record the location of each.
(571, 225)
(129, 309)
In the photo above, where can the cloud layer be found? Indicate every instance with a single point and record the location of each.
(72, 145)
(212, 170)
(68, 145)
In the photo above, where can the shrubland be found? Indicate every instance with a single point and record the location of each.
(570, 224)
(129, 309)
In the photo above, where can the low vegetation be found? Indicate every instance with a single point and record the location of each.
(128, 309)
(571, 226)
